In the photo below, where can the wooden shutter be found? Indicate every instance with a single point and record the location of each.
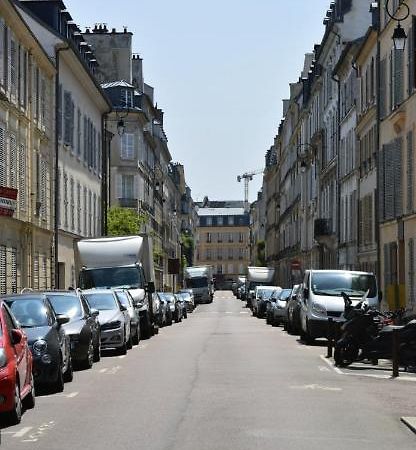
(388, 185)
(3, 158)
(67, 117)
(12, 161)
(13, 270)
(85, 139)
(59, 107)
(44, 188)
(36, 271)
(411, 61)
(411, 272)
(13, 62)
(383, 88)
(22, 177)
(409, 170)
(398, 88)
(3, 270)
(2, 52)
(398, 176)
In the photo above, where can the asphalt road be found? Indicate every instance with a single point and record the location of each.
(220, 380)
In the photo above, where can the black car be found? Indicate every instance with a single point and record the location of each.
(49, 344)
(293, 310)
(83, 328)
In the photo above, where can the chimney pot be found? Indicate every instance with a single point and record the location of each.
(113, 30)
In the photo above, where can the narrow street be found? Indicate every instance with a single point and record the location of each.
(220, 380)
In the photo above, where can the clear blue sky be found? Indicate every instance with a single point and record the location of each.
(220, 70)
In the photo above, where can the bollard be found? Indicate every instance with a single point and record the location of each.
(330, 337)
(395, 353)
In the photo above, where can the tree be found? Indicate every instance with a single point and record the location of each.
(187, 249)
(124, 221)
(261, 254)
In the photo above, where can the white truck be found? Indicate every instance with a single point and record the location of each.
(121, 262)
(257, 276)
(201, 280)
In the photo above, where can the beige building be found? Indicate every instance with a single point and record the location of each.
(26, 161)
(223, 240)
(397, 207)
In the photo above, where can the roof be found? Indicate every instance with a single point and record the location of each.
(120, 83)
(221, 212)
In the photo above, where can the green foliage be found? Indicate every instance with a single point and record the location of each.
(187, 249)
(124, 221)
(261, 254)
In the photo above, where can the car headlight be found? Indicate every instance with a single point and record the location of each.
(3, 357)
(111, 325)
(318, 308)
(280, 305)
(40, 347)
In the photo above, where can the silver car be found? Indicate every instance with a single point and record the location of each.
(127, 301)
(114, 319)
(280, 306)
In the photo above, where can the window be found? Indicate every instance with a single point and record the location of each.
(79, 208)
(127, 186)
(22, 177)
(68, 119)
(126, 100)
(43, 101)
(13, 62)
(220, 221)
(208, 238)
(13, 161)
(209, 221)
(65, 195)
(230, 220)
(72, 202)
(127, 146)
(85, 211)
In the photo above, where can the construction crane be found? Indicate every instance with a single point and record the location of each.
(247, 177)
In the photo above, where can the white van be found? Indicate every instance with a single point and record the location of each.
(321, 298)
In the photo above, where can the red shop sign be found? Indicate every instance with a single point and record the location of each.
(8, 197)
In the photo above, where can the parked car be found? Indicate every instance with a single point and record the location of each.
(258, 302)
(293, 310)
(182, 305)
(47, 339)
(191, 294)
(114, 319)
(127, 301)
(83, 328)
(280, 305)
(188, 299)
(175, 306)
(166, 312)
(264, 293)
(322, 298)
(17, 386)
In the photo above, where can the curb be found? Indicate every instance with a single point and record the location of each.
(410, 422)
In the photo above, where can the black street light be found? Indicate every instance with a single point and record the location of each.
(399, 35)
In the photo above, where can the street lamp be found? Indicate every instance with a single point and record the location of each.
(399, 35)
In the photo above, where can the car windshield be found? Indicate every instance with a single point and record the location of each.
(186, 296)
(110, 277)
(68, 305)
(285, 294)
(327, 283)
(169, 297)
(102, 302)
(30, 312)
(124, 299)
(265, 293)
(253, 284)
(197, 282)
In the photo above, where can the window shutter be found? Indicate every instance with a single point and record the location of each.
(85, 139)
(79, 132)
(409, 169)
(370, 219)
(398, 77)
(3, 158)
(2, 52)
(67, 117)
(44, 188)
(13, 270)
(36, 271)
(411, 272)
(85, 211)
(411, 61)
(398, 183)
(383, 89)
(59, 107)
(3, 270)
(12, 161)
(13, 61)
(387, 268)
(388, 185)
(22, 177)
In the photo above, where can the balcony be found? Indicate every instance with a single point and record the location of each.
(324, 233)
(128, 202)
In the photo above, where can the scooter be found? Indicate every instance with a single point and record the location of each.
(365, 336)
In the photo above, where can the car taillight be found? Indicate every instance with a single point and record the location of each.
(3, 357)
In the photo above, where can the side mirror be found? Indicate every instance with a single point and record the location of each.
(16, 337)
(306, 292)
(95, 312)
(61, 319)
(150, 287)
(123, 308)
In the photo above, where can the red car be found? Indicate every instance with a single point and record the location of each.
(16, 379)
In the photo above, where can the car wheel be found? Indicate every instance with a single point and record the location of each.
(59, 384)
(97, 351)
(69, 372)
(29, 400)
(89, 359)
(136, 337)
(185, 315)
(145, 328)
(122, 350)
(15, 414)
(345, 353)
(129, 343)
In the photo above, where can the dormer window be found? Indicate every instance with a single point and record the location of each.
(126, 100)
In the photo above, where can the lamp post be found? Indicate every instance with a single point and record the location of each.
(399, 35)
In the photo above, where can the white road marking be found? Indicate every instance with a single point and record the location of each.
(314, 387)
(72, 395)
(331, 366)
(243, 312)
(103, 370)
(142, 346)
(22, 432)
(34, 437)
(114, 370)
(324, 369)
(122, 356)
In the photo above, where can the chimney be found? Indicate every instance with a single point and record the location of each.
(137, 73)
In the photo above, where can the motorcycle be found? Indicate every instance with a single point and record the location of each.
(365, 336)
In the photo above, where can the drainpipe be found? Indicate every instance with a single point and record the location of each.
(338, 218)
(105, 173)
(377, 193)
(56, 171)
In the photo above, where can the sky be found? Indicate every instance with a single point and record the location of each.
(220, 70)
